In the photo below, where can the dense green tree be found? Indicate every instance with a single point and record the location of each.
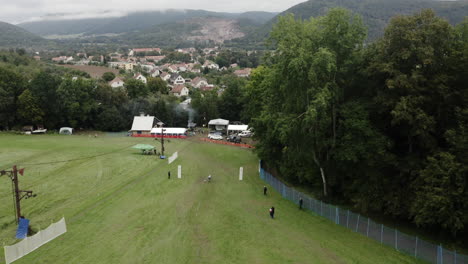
(12, 85)
(306, 85)
(29, 110)
(157, 85)
(231, 104)
(108, 76)
(76, 102)
(44, 88)
(135, 88)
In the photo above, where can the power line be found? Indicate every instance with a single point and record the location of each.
(82, 158)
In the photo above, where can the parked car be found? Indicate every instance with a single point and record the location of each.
(234, 138)
(216, 136)
(245, 133)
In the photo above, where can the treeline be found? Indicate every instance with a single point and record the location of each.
(32, 93)
(382, 127)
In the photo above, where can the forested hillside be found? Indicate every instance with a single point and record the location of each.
(381, 127)
(13, 36)
(375, 13)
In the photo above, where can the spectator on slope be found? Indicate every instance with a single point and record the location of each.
(272, 212)
(300, 203)
(264, 190)
(168, 175)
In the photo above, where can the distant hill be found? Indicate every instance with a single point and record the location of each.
(14, 36)
(137, 21)
(375, 13)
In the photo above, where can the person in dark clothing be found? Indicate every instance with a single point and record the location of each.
(264, 190)
(168, 174)
(300, 203)
(272, 212)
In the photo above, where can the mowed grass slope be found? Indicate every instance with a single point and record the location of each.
(121, 208)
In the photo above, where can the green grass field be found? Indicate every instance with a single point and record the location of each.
(121, 208)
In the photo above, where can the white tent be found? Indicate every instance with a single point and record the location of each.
(169, 130)
(237, 128)
(66, 131)
(219, 124)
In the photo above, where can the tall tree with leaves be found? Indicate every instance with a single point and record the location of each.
(306, 85)
(12, 85)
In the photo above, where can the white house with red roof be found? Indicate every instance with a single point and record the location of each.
(165, 76)
(140, 77)
(198, 82)
(180, 90)
(117, 82)
(243, 73)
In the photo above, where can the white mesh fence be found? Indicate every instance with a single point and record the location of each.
(173, 157)
(408, 244)
(32, 243)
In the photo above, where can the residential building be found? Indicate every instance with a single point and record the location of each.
(140, 77)
(243, 73)
(180, 90)
(198, 82)
(117, 82)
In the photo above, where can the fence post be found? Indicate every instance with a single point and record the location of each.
(441, 254)
(396, 239)
(381, 233)
(337, 216)
(357, 223)
(368, 223)
(416, 248)
(438, 255)
(321, 208)
(347, 219)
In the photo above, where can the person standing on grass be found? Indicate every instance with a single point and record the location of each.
(209, 178)
(168, 175)
(272, 212)
(300, 203)
(264, 190)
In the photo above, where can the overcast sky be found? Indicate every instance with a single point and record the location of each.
(16, 11)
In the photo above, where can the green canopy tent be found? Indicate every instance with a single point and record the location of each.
(145, 148)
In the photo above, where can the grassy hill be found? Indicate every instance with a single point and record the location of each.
(375, 13)
(14, 36)
(121, 208)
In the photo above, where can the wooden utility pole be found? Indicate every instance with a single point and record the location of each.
(17, 193)
(14, 178)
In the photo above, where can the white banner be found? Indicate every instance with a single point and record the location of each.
(29, 244)
(241, 173)
(173, 157)
(179, 171)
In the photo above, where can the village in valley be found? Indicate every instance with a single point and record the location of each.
(183, 70)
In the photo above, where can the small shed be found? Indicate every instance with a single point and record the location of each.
(218, 124)
(142, 125)
(66, 131)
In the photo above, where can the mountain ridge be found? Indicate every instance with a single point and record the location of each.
(135, 21)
